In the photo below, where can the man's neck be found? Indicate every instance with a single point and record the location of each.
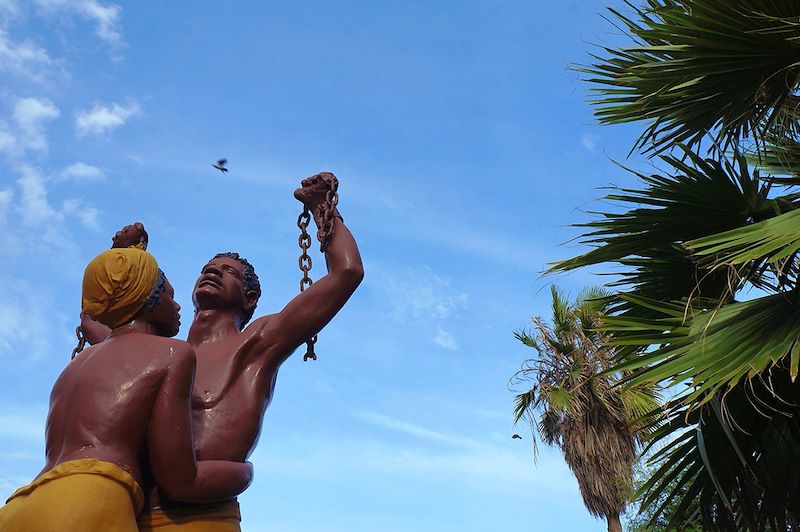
(212, 326)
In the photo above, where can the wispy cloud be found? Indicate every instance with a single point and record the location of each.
(26, 59)
(101, 118)
(413, 429)
(85, 214)
(81, 172)
(492, 467)
(135, 158)
(37, 221)
(445, 339)
(31, 117)
(419, 296)
(26, 320)
(417, 293)
(6, 196)
(105, 17)
(28, 217)
(9, 9)
(589, 142)
(34, 205)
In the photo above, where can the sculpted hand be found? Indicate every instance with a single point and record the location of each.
(314, 190)
(130, 235)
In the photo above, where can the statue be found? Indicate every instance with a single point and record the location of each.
(118, 401)
(237, 365)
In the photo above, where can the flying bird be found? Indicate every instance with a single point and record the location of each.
(220, 165)
(516, 437)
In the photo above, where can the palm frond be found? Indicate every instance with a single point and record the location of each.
(699, 66)
(711, 348)
(703, 197)
(770, 240)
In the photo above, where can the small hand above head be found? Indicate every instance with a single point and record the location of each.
(130, 236)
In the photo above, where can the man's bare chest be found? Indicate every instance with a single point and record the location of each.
(216, 371)
(227, 369)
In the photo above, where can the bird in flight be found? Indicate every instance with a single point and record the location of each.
(220, 165)
(516, 437)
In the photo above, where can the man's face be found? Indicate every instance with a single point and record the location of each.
(166, 317)
(220, 286)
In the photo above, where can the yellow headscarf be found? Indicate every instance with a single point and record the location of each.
(117, 283)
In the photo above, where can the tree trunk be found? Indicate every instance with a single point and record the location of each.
(613, 523)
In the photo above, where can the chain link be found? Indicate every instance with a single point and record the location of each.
(324, 232)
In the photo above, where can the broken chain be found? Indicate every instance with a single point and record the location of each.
(324, 233)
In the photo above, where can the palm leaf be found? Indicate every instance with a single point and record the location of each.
(713, 349)
(771, 240)
(703, 197)
(699, 66)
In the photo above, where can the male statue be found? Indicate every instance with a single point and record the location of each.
(237, 366)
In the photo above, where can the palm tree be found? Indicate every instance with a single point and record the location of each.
(699, 239)
(577, 407)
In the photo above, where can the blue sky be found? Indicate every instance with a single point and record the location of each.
(464, 147)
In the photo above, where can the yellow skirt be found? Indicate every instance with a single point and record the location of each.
(84, 495)
(222, 517)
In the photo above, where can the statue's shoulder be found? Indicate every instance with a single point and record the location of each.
(260, 325)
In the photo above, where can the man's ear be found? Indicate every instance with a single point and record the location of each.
(250, 300)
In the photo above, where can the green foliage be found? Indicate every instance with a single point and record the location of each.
(699, 66)
(576, 405)
(643, 518)
(693, 239)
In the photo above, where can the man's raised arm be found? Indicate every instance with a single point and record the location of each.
(312, 309)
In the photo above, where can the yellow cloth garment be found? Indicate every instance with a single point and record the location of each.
(117, 283)
(84, 495)
(222, 517)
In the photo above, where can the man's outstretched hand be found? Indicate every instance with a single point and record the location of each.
(313, 191)
(130, 235)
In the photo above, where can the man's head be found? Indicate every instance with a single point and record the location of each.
(125, 283)
(228, 282)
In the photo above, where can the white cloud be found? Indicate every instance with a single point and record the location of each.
(322, 388)
(490, 466)
(27, 130)
(34, 206)
(81, 172)
(8, 143)
(417, 293)
(101, 118)
(413, 429)
(26, 319)
(9, 9)
(31, 116)
(6, 195)
(445, 339)
(31, 222)
(106, 18)
(589, 142)
(87, 215)
(419, 296)
(26, 59)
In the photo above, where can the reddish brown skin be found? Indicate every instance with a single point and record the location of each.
(236, 370)
(130, 395)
